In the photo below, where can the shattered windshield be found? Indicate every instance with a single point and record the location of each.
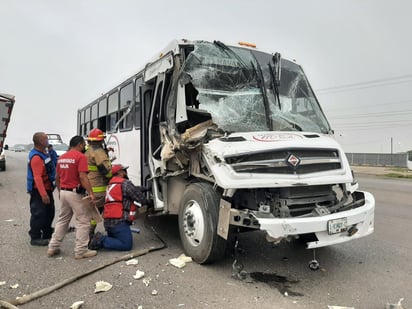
(236, 86)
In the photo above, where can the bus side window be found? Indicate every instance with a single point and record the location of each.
(126, 99)
(101, 123)
(112, 111)
(94, 116)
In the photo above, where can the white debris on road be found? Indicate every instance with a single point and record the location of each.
(146, 281)
(77, 304)
(139, 274)
(177, 263)
(132, 262)
(180, 261)
(395, 306)
(102, 286)
(14, 286)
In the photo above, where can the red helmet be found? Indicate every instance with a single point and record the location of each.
(96, 135)
(118, 167)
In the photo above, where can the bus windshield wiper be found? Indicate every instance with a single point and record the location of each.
(230, 52)
(261, 85)
(275, 76)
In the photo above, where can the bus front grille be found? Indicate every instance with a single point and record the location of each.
(294, 161)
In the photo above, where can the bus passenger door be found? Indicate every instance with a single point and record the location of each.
(147, 95)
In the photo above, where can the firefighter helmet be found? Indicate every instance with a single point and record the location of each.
(96, 135)
(118, 167)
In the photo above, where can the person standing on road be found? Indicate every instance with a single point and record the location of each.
(119, 211)
(40, 186)
(73, 183)
(52, 154)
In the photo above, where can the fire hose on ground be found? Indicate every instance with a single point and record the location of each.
(11, 304)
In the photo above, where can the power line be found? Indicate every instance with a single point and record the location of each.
(373, 115)
(403, 121)
(368, 84)
(370, 127)
(374, 105)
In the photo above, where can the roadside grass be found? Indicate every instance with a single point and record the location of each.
(396, 175)
(400, 172)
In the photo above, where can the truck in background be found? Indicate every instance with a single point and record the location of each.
(6, 107)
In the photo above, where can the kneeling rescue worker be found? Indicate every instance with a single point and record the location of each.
(119, 211)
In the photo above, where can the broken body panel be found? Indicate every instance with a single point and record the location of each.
(235, 137)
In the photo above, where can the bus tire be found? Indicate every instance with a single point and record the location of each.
(198, 218)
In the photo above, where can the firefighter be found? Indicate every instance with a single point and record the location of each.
(100, 167)
(100, 170)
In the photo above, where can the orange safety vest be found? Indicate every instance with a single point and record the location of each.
(113, 207)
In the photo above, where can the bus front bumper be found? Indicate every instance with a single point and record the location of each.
(329, 229)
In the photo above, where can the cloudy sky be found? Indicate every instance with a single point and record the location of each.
(57, 56)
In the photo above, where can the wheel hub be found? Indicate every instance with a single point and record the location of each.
(193, 223)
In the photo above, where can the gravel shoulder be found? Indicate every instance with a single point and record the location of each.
(390, 171)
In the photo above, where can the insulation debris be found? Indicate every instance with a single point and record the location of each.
(185, 258)
(77, 304)
(102, 286)
(180, 261)
(146, 281)
(139, 274)
(132, 262)
(177, 263)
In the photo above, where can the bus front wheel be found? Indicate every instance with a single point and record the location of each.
(198, 217)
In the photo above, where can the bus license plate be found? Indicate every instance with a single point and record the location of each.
(337, 226)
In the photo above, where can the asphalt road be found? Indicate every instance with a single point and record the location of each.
(364, 274)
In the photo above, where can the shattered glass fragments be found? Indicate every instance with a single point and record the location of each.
(236, 87)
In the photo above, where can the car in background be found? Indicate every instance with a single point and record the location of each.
(19, 148)
(54, 138)
(60, 148)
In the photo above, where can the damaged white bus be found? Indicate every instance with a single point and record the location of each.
(232, 139)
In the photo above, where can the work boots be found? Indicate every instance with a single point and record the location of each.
(85, 255)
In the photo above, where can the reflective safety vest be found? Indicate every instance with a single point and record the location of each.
(50, 169)
(95, 153)
(113, 207)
